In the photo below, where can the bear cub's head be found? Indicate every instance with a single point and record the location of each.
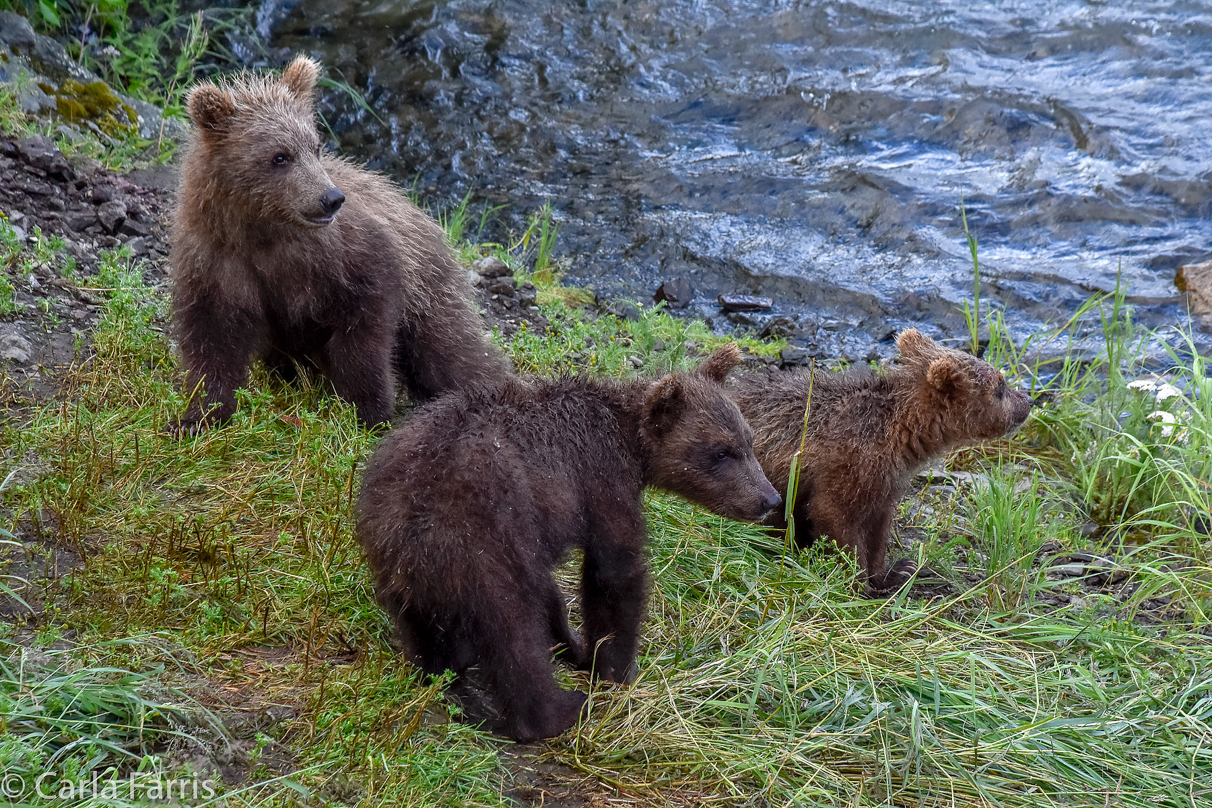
(258, 143)
(971, 396)
(699, 445)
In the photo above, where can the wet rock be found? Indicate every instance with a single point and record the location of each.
(504, 286)
(794, 356)
(676, 293)
(490, 267)
(41, 153)
(735, 303)
(13, 345)
(635, 362)
(1196, 281)
(112, 215)
(779, 328)
(745, 319)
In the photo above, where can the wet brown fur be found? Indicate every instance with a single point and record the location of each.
(467, 507)
(868, 433)
(373, 298)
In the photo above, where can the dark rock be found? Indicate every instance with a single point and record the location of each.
(112, 215)
(503, 286)
(81, 220)
(624, 310)
(676, 293)
(490, 267)
(528, 295)
(102, 194)
(41, 153)
(794, 356)
(132, 227)
(779, 328)
(30, 187)
(1089, 530)
(745, 319)
(879, 330)
(731, 303)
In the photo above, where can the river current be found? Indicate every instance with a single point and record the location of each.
(817, 153)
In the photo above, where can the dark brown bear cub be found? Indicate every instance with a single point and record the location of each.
(283, 252)
(466, 508)
(868, 434)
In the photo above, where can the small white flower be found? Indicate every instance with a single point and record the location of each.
(1161, 390)
(1166, 419)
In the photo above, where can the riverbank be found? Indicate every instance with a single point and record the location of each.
(198, 610)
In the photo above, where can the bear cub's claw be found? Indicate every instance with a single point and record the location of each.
(897, 576)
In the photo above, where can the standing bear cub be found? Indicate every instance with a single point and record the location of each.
(868, 434)
(285, 253)
(467, 507)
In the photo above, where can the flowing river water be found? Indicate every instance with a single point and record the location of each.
(813, 152)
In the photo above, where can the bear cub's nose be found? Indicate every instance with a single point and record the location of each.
(331, 201)
(771, 501)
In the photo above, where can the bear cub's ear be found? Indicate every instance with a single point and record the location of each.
(210, 107)
(722, 360)
(947, 376)
(913, 343)
(664, 404)
(300, 77)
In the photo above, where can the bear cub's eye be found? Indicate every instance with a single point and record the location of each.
(722, 454)
(1002, 389)
(281, 159)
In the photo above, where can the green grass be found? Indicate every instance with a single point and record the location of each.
(227, 562)
(762, 677)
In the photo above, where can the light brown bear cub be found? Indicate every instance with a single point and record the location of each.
(868, 434)
(283, 252)
(469, 504)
